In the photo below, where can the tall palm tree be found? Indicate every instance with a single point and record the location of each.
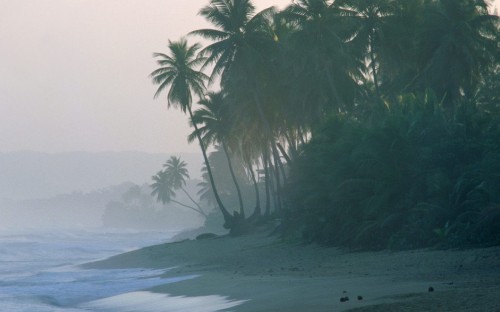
(176, 171)
(178, 73)
(241, 40)
(214, 124)
(240, 53)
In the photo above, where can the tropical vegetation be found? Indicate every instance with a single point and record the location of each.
(357, 123)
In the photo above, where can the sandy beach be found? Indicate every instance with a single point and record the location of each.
(269, 274)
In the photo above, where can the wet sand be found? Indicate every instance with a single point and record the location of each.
(269, 274)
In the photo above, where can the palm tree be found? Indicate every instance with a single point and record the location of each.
(241, 42)
(161, 188)
(371, 18)
(215, 128)
(205, 192)
(325, 67)
(240, 54)
(238, 30)
(176, 171)
(164, 192)
(178, 73)
(457, 40)
(248, 140)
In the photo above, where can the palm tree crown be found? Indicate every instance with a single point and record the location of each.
(161, 188)
(236, 28)
(178, 72)
(177, 172)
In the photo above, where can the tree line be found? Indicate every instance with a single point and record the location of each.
(364, 123)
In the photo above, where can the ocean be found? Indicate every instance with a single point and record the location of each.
(40, 272)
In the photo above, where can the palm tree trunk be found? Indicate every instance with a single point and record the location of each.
(189, 196)
(278, 182)
(301, 135)
(374, 67)
(227, 216)
(283, 152)
(267, 182)
(272, 185)
(292, 145)
(279, 163)
(233, 176)
(257, 210)
(264, 120)
(187, 206)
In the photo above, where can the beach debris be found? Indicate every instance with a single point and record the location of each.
(431, 289)
(360, 297)
(344, 299)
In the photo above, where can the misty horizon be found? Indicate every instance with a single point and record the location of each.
(37, 175)
(73, 189)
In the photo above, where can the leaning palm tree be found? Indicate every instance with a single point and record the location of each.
(178, 73)
(164, 192)
(176, 171)
(215, 128)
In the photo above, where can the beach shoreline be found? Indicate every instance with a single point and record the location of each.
(268, 274)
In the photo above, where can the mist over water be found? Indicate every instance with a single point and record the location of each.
(39, 272)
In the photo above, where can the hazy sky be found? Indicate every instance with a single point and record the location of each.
(74, 74)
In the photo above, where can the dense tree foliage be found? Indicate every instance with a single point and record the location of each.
(369, 123)
(411, 178)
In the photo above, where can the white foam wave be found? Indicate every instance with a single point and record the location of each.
(143, 301)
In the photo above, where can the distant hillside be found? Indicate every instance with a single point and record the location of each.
(70, 210)
(32, 175)
(106, 206)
